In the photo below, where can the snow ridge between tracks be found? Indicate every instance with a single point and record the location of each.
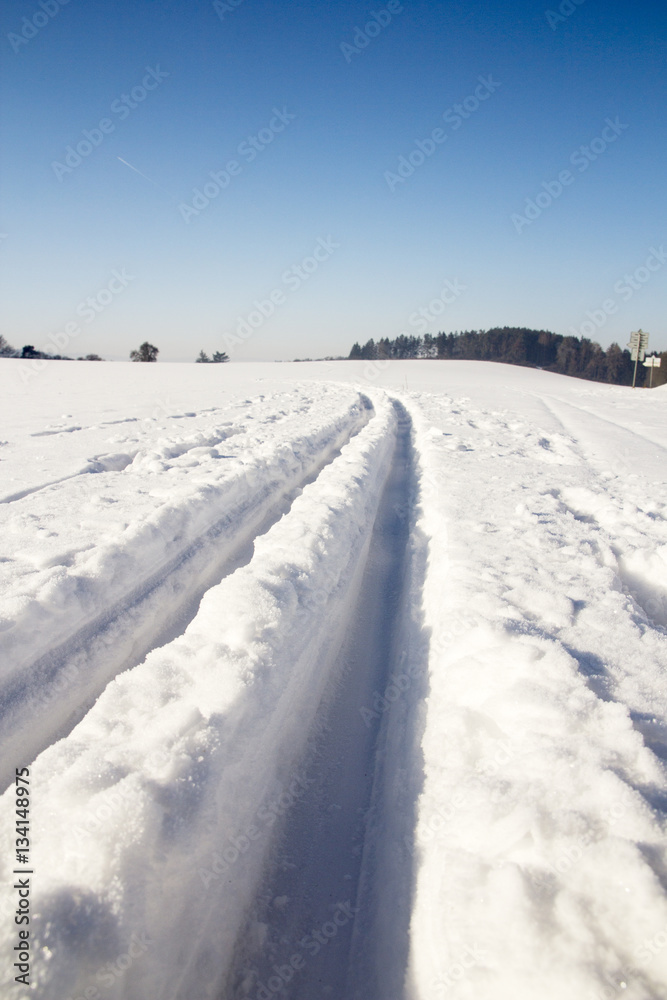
(75, 626)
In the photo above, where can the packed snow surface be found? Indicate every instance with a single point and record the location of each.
(340, 680)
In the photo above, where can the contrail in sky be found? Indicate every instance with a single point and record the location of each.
(139, 172)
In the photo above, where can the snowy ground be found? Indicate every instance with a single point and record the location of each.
(334, 680)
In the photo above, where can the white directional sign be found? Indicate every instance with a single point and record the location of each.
(652, 363)
(638, 345)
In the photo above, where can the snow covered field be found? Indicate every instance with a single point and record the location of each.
(338, 680)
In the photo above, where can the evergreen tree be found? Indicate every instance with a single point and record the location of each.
(147, 352)
(660, 374)
(567, 356)
(574, 356)
(430, 346)
(6, 350)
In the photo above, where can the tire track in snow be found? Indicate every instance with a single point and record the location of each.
(63, 684)
(632, 570)
(636, 573)
(639, 452)
(599, 506)
(118, 462)
(96, 464)
(178, 756)
(316, 900)
(614, 423)
(13, 497)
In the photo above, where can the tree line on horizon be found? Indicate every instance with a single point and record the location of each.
(29, 351)
(565, 355)
(578, 357)
(145, 353)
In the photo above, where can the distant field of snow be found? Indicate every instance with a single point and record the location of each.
(333, 679)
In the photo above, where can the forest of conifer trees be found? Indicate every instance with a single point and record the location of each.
(574, 356)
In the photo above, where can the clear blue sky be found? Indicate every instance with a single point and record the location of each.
(460, 216)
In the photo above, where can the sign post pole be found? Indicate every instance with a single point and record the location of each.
(652, 363)
(638, 346)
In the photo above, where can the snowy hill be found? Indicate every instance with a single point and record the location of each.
(336, 679)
